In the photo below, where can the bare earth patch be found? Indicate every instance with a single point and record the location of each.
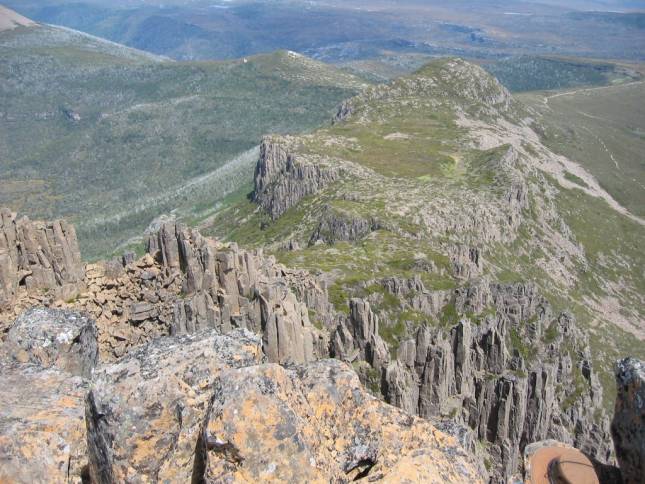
(10, 20)
(396, 136)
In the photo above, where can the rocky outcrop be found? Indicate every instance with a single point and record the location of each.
(202, 407)
(317, 424)
(144, 412)
(54, 338)
(42, 427)
(225, 287)
(283, 179)
(187, 283)
(466, 262)
(357, 337)
(335, 226)
(38, 256)
(508, 374)
(628, 425)
(517, 376)
(414, 296)
(47, 355)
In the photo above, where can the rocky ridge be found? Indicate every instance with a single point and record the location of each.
(201, 407)
(469, 373)
(435, 311)
(187, 283)
(434, 332)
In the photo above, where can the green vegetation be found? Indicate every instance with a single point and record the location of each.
(518, 343)
(393, 334)
(603, 130)
(123, 136)
(580, 385)
(550, 334)
(575, 179)
(532, 73)
(449, 315)
(410, 144)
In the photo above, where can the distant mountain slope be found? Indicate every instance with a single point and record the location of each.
(109, 136)
(10, 19)
(534, 73)
(341, 31)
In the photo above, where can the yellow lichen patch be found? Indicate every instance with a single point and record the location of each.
(147, 448)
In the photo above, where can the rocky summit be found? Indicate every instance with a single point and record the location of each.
(408, 295)
(197, 362)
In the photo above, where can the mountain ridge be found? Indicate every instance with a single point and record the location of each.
(433, 189)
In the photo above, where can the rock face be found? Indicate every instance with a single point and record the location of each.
(42, 369)
(38, 256)
(628, 425)
(54, 338)
(335, 226)
(42, 427)
(144, 412)
(187, 283)
(282, 179)
(225, 288)
(503, 377)
(177, 318)
(357, 337)
(203, 407)
(317, 424)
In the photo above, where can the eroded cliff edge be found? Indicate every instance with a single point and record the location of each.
(156, 313)
(207, 403)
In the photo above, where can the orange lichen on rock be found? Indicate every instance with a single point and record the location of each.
(317, 424)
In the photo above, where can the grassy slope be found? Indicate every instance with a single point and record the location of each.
(143, 127)
(602, 129)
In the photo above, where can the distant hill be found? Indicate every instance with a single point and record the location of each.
(111, 137)
(10, 19)
(351, 30)
(533, 73)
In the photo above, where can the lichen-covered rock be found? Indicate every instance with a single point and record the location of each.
(317, 424)
(144, 411)
(42, 427)
(42, 430)
(54, 338)
(628, 425)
